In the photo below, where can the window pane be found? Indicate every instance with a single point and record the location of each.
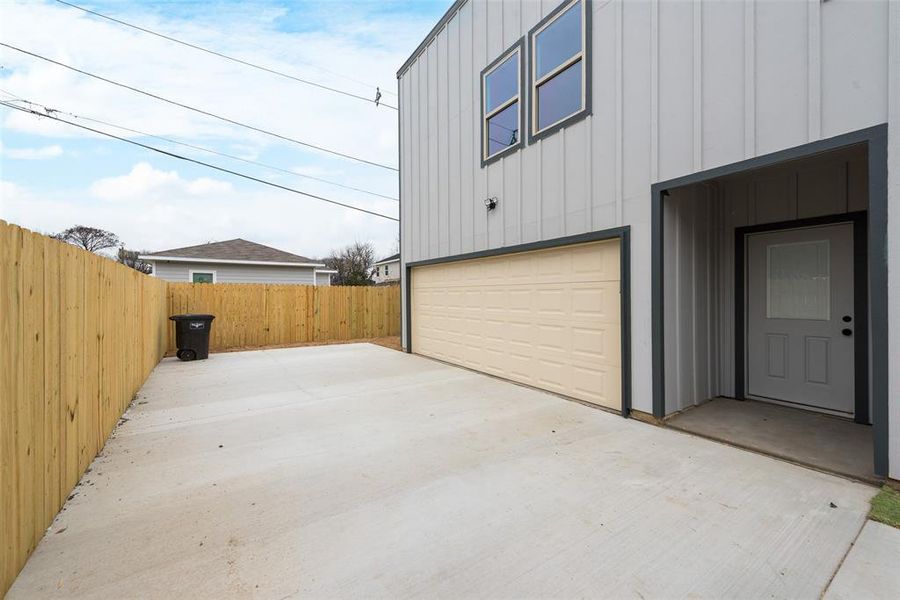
(502, 83)
(503, 129)
(798, 281)
(560, 96)
(559, 41)
(202, 278)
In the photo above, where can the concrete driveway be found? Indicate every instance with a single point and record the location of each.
(355, 470)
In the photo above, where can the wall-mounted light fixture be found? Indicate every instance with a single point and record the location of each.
(490, 203)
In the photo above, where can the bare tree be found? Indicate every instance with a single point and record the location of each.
(129, 258)
(353, 264)
(89, 238)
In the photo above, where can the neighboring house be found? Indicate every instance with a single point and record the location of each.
(236, 261)
(387, 270)
(644, 205)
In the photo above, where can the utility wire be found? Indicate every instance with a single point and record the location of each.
(193, 160)
(199, 110)
(200, 148)
(226, 57)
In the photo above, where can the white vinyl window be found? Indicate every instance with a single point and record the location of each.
(501, 92)
(559, 67)
(386, 270)
(202, 276)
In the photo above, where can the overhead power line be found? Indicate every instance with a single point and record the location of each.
(227, 57)
(193, 160)
(202, 149)
(199, 110)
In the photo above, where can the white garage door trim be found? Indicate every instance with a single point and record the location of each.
(622, 234)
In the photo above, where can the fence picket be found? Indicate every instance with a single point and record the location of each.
(256, 315)
(70, 333)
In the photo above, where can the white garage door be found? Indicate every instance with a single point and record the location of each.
(547, 318)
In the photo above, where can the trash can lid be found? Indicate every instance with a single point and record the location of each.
(192, 317)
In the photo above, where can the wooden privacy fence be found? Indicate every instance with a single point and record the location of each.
(79, 334)
(254, 315)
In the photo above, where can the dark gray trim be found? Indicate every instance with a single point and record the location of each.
(623, 234)
(625, 315)
(451, 12)
(740, 328)
(588, 78)
(860, 302)
(860, 136)
(581, 238)
(876, 140)
(657, 302)
(878, 294)
(407, 293)
(520, 46)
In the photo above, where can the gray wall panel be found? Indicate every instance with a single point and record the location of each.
(781, 76)
(226, 273)
(853, 85)
(722, 97)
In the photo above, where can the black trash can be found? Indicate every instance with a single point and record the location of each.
(192, 335)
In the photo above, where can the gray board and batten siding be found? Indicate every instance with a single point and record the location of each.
(232, 273)
(677, 88)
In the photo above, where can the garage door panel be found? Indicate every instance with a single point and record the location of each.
(600, 301)
(547, 318)
(600, 386)
(597, 345)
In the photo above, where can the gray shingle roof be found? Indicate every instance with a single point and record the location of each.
(236, 249)
(389, 258)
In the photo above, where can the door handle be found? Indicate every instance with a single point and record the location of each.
(847, 331)
(846, 318)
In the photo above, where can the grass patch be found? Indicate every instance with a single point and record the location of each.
(886, 507)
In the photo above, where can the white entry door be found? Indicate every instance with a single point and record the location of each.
(800, 320)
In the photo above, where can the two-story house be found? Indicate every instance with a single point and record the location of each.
(646, 205)
(387, 270)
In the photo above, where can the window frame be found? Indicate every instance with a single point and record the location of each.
(517, 47)
(202, 272)
(584, 56)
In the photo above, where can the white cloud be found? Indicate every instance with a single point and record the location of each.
(145, 182)
(153, 209)
(41, 153)
(151, 206)
(357, 46)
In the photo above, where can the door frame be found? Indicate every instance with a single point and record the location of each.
(860, 302)
(623, 234)
(875, 139)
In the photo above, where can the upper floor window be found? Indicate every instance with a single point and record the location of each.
(558, 46)
(501, 95)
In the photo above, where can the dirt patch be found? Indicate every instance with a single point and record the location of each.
(392, 342)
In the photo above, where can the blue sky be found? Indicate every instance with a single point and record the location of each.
(53, 176)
